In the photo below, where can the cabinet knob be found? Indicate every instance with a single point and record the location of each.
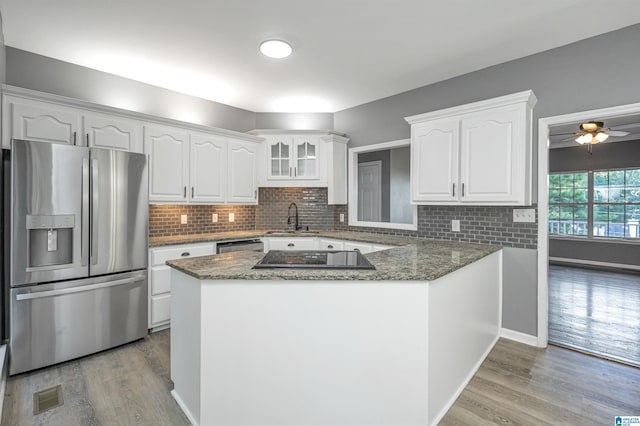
(356, 249)
(185, 254)
(291, 245)
(330, 246)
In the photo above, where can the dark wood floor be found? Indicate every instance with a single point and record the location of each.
(516, 385)
(596, 312)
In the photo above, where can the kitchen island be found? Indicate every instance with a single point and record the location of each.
(391, 346)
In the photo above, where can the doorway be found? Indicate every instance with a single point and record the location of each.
(543, 268)
(370, 191)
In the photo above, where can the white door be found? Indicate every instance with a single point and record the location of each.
(43, 122)
(489, 155)
(434, 161)
(208, 168)
(242, 184)
(370, 191)
(168, 150)
(106, 131)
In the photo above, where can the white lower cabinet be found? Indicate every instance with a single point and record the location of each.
(327, 244)
(160, 278)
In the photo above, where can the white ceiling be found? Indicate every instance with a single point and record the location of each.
(347, 52)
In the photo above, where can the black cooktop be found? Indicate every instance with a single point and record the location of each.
(314, 259)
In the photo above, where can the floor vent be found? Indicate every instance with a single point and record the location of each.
(47, 399)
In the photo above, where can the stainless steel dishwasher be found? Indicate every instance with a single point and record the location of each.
(240, 245)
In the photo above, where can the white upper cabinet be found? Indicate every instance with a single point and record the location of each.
(39, 121)
(44, 121)
(305, 159)
(208, 168)
(243, 172)
(434, 153)
(292, 157)
(168, 150)
(477, 154)
(105, 131)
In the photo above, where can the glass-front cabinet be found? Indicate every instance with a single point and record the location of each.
(293, 157)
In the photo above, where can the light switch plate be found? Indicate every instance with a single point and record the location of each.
(183, 219)
(524, 215)
(232, 217)
(455, 225)
(341, 217)
(214, 217)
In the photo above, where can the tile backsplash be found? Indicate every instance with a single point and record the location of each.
(313, 210)
(164, 219)
(478, 224)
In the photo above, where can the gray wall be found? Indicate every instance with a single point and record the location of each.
(609, 155)
(566, 79)
(400, 186)
(3, 63)
(37, 72)
(294, 121)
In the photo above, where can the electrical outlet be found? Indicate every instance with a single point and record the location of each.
(455, 225)
(214, 217)
(341, 217)
(455, 257)
(183, 219)
(232, 217)
(524, 215)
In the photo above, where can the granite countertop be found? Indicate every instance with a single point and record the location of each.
(415, 259)
(239, 235)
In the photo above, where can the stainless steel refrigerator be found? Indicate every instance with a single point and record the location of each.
(78, 256)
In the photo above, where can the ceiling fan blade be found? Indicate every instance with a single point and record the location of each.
(618, 133)
(627, 126)
(561, 134)
(570, 138)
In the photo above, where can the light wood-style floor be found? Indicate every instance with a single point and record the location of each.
(517, 384)
(596, 312)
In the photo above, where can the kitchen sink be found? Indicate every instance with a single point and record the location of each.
(291, 232)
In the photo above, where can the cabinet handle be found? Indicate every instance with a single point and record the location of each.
(192, 192)
(87, 139)
(291, 245)
(290, 171)
(463, 189)
(330, 246)
(255, 194)
(184, 192)
(74, 138)
(454, 189)
(295, 172)
(356, 249)
(185, 254)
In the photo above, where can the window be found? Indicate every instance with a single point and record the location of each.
(568, 203)
(602, 203)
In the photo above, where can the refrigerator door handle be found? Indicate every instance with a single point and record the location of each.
(84, 213)
(78, 289)
(95, 211)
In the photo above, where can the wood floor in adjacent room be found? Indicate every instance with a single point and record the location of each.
(517, 384)
(596, 312)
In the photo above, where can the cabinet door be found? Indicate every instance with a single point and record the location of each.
(434, 161)
(298, 243)
(168, 150)
(306, 158)
(490, 151)
(42, 122)
(106, 131)
(208, 168)
(279, 162)
(363, 248)
(326, 244)
(242, 185)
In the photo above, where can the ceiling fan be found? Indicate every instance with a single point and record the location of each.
(593, 132)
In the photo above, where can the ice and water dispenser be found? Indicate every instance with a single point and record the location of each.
(50, 240)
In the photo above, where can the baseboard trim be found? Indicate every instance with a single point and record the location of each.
(4, 374)
(517, 336)
(595, 263)
(184, 408)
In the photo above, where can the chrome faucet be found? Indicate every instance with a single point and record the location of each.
(290, 216)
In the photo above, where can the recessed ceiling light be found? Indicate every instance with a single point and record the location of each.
(276, 49)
